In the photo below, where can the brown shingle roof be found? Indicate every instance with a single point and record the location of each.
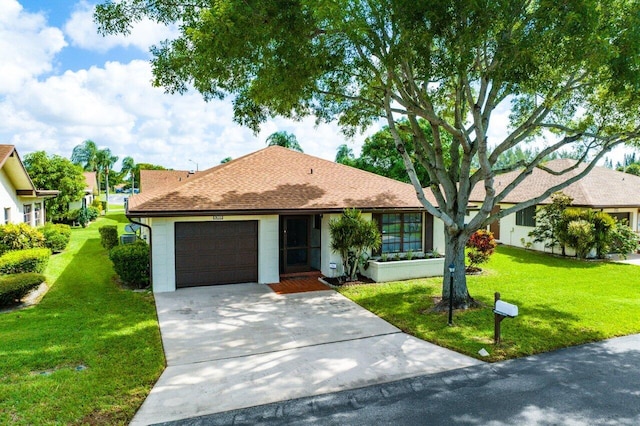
(276, 179)
(602, 187)
(153, 179)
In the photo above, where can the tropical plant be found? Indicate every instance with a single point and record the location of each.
(285, 140)
(85, 155)
(481, 246)
(548, 218)
(351, 237)
(581, 236)
(623, 240)
(105, 161)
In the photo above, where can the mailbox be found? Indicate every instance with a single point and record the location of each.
(506, 309)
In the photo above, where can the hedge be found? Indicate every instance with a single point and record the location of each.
(19, 236)
(108, 236)
(56, 236)
(131, 263)
(23, 261)
(15, 287)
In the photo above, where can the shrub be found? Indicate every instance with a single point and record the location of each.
(603, 232)
(56, 236)
(83, 217)
(623, 240)
(581, 236)
(15, 287)
(481, 246)
(19, 236)
(22, 261)
(97, 204)
(92, 213)
(108, 236)
(131, 263)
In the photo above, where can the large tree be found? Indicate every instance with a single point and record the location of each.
(55, 172)
(569, 72)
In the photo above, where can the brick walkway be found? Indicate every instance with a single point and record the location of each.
(299, 284)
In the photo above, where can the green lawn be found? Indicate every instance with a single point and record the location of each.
(562, 302)
(89, 353)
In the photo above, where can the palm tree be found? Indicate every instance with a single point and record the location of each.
(129, 166)
(345, 155)
(284, 139)
(85, 155)
(104, 161)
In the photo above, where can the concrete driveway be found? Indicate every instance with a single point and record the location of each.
(242, 345)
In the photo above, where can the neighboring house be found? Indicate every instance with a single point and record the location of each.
(603, 189)
(19, 199)
(152, 179)
(267, 214)
(90, 192)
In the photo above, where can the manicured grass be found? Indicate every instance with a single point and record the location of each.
(89, 353)
(562, 302)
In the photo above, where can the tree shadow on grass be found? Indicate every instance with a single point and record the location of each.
(537, 329)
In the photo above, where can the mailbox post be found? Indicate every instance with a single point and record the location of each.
(501, 311)
(452, 269)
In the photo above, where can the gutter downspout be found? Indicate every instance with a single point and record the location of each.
(150, 249)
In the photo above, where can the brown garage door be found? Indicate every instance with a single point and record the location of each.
(212, 253)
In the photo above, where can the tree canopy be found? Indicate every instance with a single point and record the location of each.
(568, 71)
(55, 172)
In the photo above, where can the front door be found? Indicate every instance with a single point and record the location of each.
(495, 226)
(300, 243)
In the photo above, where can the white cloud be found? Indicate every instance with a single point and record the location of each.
(83, 32)
(117, 107)
(27, 46)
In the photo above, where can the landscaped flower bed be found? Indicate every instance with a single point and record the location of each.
(404, 269)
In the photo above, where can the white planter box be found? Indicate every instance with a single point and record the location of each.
(404, 269)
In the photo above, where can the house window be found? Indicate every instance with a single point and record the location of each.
(27, 213)
(38, 212)
(526, 217)
(401, 232)
(7, 215)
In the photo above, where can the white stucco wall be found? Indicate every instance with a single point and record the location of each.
(9, 199)
(163, 256)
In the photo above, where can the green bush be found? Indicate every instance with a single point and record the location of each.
(131, 263)
(15, 287)
(92, 213)
(97, 204)
(581, 236)
(83, 217)
(56, 236)
(108, 236)
(22, 261)
(19, 236)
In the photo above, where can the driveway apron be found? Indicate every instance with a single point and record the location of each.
(242, 345)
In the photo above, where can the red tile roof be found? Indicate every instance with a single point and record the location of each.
(600, 188)
(275, 179)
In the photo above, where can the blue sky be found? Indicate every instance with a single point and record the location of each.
(61, 83)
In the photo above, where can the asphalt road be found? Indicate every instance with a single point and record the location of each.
(594, 384)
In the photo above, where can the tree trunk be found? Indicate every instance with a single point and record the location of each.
(455, 254)
(106, 188)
